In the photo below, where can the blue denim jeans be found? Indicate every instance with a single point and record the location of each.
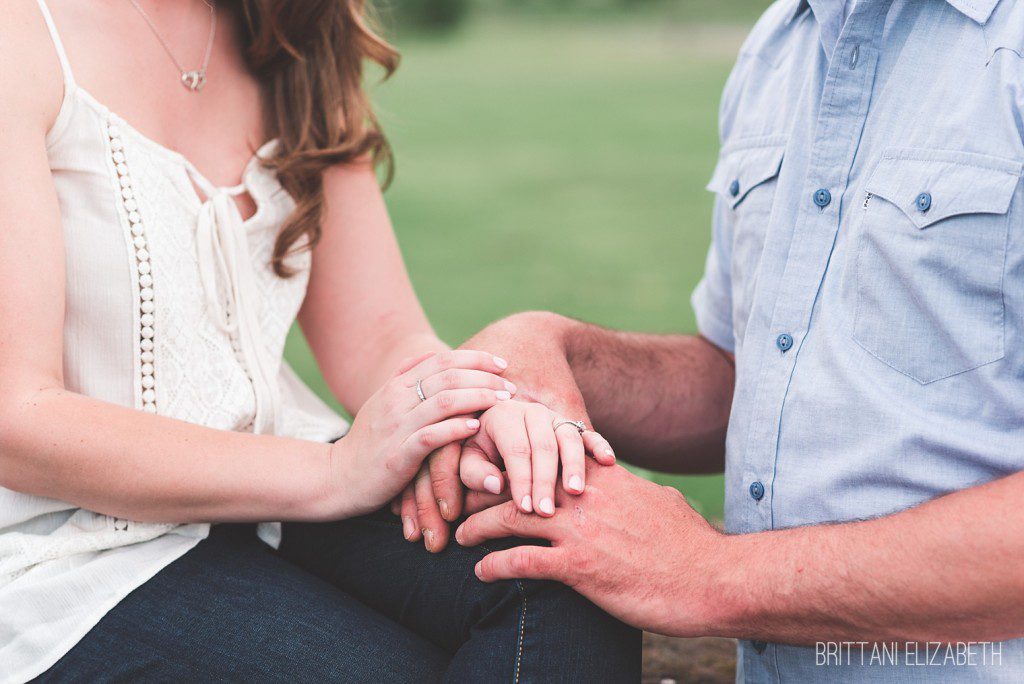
(349, 601)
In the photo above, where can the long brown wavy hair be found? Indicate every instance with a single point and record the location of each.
(309, 56)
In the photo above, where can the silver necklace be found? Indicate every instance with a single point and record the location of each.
(194, 79)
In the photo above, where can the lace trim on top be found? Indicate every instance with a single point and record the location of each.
(146, 319)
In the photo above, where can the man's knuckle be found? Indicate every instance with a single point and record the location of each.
(442, 478)
(673, 493)
(522, 561)
(509, 516)
(424, 506)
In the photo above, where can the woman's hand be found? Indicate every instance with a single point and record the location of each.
(396, 430)
(531, 440)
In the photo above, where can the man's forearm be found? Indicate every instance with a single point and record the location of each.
(949, 570)
(662, 400)
(665, 398)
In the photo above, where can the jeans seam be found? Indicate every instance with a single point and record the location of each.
(522, 623)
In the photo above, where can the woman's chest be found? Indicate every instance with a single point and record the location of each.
(172, 289)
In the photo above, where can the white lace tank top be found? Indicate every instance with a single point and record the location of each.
(172, 308)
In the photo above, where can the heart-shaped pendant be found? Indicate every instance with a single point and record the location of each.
(193, 80)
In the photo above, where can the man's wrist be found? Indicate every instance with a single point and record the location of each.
(734, 600)
(555, 328)
(536, 345)
(767, 584)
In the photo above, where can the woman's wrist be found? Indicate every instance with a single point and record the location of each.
(317, 495)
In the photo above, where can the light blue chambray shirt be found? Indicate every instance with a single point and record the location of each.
(867, 269)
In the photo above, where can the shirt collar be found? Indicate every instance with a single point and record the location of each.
(976, 10)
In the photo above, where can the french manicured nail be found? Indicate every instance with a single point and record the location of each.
(510, 386)
(527, 504)
(428, 539)
(502, 395)
(443, 506)
(408, 529)
(479, 569)
(500, 362)
(575, 483)
(473, 423)
(547, 506)
(458, 534)
(492, 483)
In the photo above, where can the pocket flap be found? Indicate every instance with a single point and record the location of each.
(741, 170)
(932, 185)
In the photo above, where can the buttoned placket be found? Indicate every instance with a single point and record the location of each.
(842, 110)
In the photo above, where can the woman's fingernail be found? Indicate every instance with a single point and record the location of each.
(500, 362)
(478, 569)
(510, 386)
(472, 423)
(547, 506)
(492, 483)
(443, 506)
(408, 529)
(428, 539)
(527, 504)
(502, 395)
(575, 483)
(458, 534)
(609, 452)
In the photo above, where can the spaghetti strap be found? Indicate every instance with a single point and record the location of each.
(58, 44)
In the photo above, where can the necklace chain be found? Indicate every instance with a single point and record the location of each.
(193, 80)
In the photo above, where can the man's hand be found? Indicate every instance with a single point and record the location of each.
(433, 500)
(944, 571)
(634, 548)
(535, 344)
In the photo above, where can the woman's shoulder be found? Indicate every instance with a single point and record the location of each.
(32, 70)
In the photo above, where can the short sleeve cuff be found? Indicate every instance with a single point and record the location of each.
(713, 317)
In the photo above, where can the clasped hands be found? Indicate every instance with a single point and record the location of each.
(606, 527)
(517, 453)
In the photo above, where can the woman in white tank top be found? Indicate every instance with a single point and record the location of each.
(146, 290)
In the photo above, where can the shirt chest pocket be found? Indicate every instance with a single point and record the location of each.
(930, 260)
(745, 180)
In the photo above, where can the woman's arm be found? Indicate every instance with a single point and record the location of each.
(58, 444)
(361, 315)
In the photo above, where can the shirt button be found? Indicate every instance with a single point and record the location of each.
(759, 646)
(734, 188)
(784, 342)
(822, 197)
(756, 491)
(924, 201)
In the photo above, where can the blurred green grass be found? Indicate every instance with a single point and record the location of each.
(557, 163)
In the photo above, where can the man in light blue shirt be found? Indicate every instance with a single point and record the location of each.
(866, 279)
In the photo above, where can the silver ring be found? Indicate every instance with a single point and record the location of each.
(419, 390)
(580, 426)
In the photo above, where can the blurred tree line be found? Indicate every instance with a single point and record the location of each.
(441, 15)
